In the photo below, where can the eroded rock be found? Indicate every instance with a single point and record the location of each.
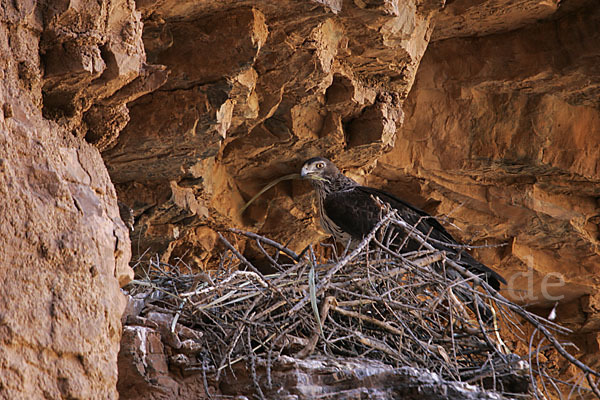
(499, 131)
(150, 367)
(94, 62)
(253, 84)
(349, 378)
(65, 251)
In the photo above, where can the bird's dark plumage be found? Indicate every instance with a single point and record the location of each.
(350, 211)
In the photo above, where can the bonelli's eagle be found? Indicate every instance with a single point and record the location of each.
(350, 211)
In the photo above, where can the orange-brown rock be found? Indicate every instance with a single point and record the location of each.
(500, 131)
(254, 89)
(65, 251)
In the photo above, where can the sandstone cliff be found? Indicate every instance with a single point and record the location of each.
(485, 111)
(64, 248)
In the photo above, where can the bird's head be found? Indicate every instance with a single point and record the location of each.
(319, 169)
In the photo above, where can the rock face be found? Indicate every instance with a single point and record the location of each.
(64, 248)
(502, 132)
(254, 89)
(349, 378)
(195, 105)
(155, 364)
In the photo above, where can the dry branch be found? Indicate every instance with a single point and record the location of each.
(401, 309)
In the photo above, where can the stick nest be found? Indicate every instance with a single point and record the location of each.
(409, 309)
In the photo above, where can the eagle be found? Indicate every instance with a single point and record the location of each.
(349, 211)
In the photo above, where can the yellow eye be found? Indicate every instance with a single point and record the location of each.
(320, 165)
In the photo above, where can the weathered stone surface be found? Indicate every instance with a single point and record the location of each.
(255, 83)
(470, 18)
(94, 62)
(500, 132)
(150, 357)
(157, 364)
(342, 378)
(64, 248)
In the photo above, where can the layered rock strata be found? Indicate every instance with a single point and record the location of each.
(65, 251)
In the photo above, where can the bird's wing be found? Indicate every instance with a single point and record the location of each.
(412, 215)
(355, 211)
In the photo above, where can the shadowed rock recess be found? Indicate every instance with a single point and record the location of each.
(486, 112)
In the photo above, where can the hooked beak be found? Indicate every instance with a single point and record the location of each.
(310, 175)
(304, 173)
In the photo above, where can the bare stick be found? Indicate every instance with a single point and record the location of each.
(327, 278)
(270, 242)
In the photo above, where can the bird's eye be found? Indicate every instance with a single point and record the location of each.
(321, 165)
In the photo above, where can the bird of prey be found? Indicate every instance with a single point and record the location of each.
(349, 211)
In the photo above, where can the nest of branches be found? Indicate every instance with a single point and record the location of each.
(417, 309)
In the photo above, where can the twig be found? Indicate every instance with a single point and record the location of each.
(252, 357)
(270, 242)
(370, 320)
(400, 309)
(327, 278)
